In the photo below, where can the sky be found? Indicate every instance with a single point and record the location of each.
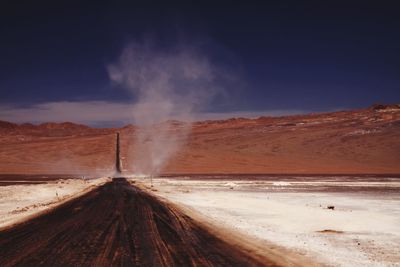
(287, 57)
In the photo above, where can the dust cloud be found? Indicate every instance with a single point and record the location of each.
(169, 87)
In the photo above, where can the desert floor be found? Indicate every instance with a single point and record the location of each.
(290, 212)
(24, 196)
(363, 229)
(119, 224)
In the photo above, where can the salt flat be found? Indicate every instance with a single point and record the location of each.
(362, 229)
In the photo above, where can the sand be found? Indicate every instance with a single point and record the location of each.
(120, 225)
(363, 229)
(19, 202)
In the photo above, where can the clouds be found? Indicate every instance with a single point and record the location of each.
(95, 113)
(106, 113)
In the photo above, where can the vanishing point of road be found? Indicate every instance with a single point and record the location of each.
(117, 224)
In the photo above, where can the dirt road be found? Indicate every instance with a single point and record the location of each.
(117, 225)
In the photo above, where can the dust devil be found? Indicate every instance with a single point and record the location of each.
(118, 164)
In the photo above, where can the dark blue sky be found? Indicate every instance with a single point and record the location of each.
(291, 55)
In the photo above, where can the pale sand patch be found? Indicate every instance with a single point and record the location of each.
(362, 230)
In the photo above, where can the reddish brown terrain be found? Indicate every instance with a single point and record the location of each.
(350, 142)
